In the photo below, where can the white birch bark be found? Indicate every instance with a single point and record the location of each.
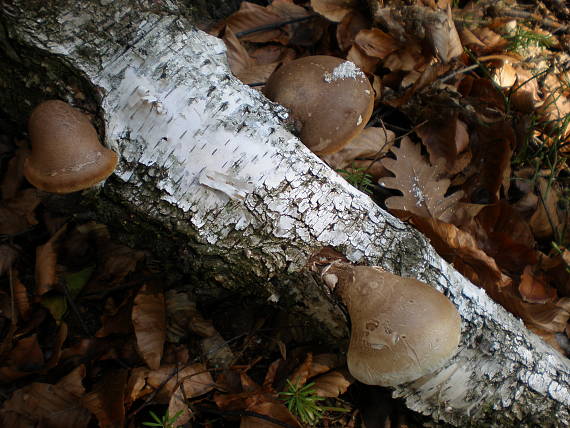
(209, 159)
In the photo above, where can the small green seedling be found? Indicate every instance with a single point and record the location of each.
(303, 402)
(523, 38)
(164, 422)
(359, 178)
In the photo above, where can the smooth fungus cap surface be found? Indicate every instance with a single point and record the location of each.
(66, 153)
(402, 329)
(330, 96)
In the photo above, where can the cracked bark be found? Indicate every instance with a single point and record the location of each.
(210, 161)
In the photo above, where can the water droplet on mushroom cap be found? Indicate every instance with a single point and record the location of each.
(66, 153)
(331, 97)
(402, 329)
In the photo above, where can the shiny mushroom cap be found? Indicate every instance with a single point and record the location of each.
(402, 329)
(331, 98)
(66, 153)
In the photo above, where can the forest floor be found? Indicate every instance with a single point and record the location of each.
(468, 141)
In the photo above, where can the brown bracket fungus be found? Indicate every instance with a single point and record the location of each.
(402, 329)
(66, 153)
(331, 98)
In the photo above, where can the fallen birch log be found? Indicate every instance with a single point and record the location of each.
(209, 159)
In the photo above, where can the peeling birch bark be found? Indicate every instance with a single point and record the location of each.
(209, 158)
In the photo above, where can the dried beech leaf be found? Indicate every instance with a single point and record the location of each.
(241, 64)
(334, 10)
(333, 384)
(149, 321)
(546, 216)
(195, 380)
(251, 16)
(423, 192)
(442, 34)
(301, 374)
(323, 363)
(8, 255)
(46, 261)
(444, 139)
(14, 173)
(371, 143)
(106, 399)
(183, 316)
(376, 43)
(461, 249)
(534, 288)
(349, 27)
(17, 214)
(366, 63)
(116, 319)
(21, 296)
(268, 406)
(46, 405)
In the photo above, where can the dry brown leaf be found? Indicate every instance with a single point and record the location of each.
(149, 322)
(408, 58)
(371, 143)
(195, 380)
(366, 63)
(106, 399)
(349, 27)
(116, 319)
(50, 406)
(241, 64)
(534, 288)
(21, 296)
(334, 10)
(323, 363)
(504, 235)
(492, 147)
(333, 384)
(445, 138)
(268, 406)
(461, 249)
(117, 262)
(442, 35)
(14, 173)
(46, 261)
(423, 192)
(17, 214)
(183, 316)
(251, 16)
(8, 255)
(30, 355)
(376, 43)
(301, 374)
(545, 219)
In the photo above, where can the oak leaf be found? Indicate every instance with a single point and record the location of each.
(423, 191)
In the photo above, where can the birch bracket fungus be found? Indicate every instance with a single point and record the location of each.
(66, 153)
(331, 98)
(402, 329)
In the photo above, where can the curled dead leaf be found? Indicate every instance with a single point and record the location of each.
(334, 10)
(149, 321)
(534, 288)
(106, 400)
(47, 405)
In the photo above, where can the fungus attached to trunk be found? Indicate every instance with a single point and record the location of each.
(66, 153)
(330, 97)
(402, 329)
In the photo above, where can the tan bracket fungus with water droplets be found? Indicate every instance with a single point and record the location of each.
(402, 329)
(66, 153)
(331, 97)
